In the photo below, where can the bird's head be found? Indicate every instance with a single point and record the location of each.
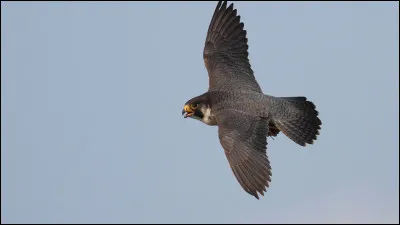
(199, 108)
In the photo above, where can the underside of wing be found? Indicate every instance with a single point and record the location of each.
(225, 52)
(244, 139)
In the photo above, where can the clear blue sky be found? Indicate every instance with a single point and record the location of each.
(92, 131)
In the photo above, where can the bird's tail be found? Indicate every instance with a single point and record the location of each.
(299, 121)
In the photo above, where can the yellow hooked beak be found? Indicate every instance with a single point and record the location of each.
(187, 111)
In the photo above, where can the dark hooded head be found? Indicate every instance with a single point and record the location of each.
(199, 108)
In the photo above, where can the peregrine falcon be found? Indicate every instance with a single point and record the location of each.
(234, 102)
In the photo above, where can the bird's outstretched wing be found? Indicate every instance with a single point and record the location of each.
(244, 139)
(225, 52)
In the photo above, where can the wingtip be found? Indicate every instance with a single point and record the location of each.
(223, 4)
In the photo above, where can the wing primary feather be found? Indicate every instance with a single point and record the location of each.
(246, 182)
(253, 171)
(213, 17)
(218, 18)
(241, 180)
(235, 31)
(232, 17)
(224, 17)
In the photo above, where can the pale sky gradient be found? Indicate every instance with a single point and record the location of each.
(92, 131)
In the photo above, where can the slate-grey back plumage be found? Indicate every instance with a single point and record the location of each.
(236, 104)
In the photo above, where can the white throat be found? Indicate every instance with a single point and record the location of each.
(209, 118)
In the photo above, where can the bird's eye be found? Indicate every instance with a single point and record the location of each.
(194, 105)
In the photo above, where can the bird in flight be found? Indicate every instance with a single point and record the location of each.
(234, 102)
